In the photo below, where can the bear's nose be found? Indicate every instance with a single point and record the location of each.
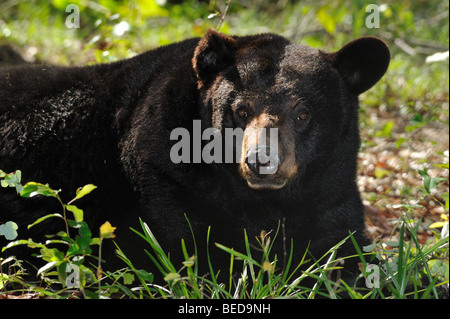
(262, 160)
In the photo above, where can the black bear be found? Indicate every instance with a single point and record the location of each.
(152, 132)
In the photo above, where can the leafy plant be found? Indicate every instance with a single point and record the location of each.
(408, 269)
(65, 255)
(11, 180)
(405, 268)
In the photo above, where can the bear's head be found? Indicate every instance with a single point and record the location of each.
(297, 106)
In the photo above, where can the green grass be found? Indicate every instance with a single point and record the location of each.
(412, 258)
(406, 268)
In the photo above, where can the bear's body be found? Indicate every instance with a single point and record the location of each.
(111, 125)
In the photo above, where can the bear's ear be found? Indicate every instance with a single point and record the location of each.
(361, 62)
(214, 52)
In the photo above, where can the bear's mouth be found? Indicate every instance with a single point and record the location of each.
(265, 184)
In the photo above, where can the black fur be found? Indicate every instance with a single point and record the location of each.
(110, 125)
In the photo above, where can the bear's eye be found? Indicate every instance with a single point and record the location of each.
(302, 117)
(242, 112)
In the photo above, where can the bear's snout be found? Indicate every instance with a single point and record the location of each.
(262, 160)
(263, 164)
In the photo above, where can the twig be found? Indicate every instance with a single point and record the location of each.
(421, 45)
(224, 14)
(405, 47)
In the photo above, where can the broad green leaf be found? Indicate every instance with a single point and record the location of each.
(128, 278)
(9, 230)
(18, 176)
(369, 248)
(31, 189)
(77, 213)
(83, 191)
(95, 241)
(439, 267)
(81, 246)
(430, 183)
(144, 275)
(392, 243)
(11, 180)
(51, 254)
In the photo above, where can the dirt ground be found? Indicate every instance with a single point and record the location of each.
(388, 172)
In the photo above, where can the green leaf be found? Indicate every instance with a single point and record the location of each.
(190, 262)
(400, 141)
(83, 191)
(95, 241)
(59, 4)
(369, 248)
(47, 267)
(386, 130)
(429, 183)
(31, 189)
(77, 213)
(44, 218)
(326, 20)
(27, 242)
(439, 267)
(18, 176)
(9, 230)
(144, 275)
(51, 254)
(11, 180)
(172, 276)
(443, 165)
(381, 172)
(128, 278)
(81, 246)
(392, 243)
(150, 8)
(83, 240)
